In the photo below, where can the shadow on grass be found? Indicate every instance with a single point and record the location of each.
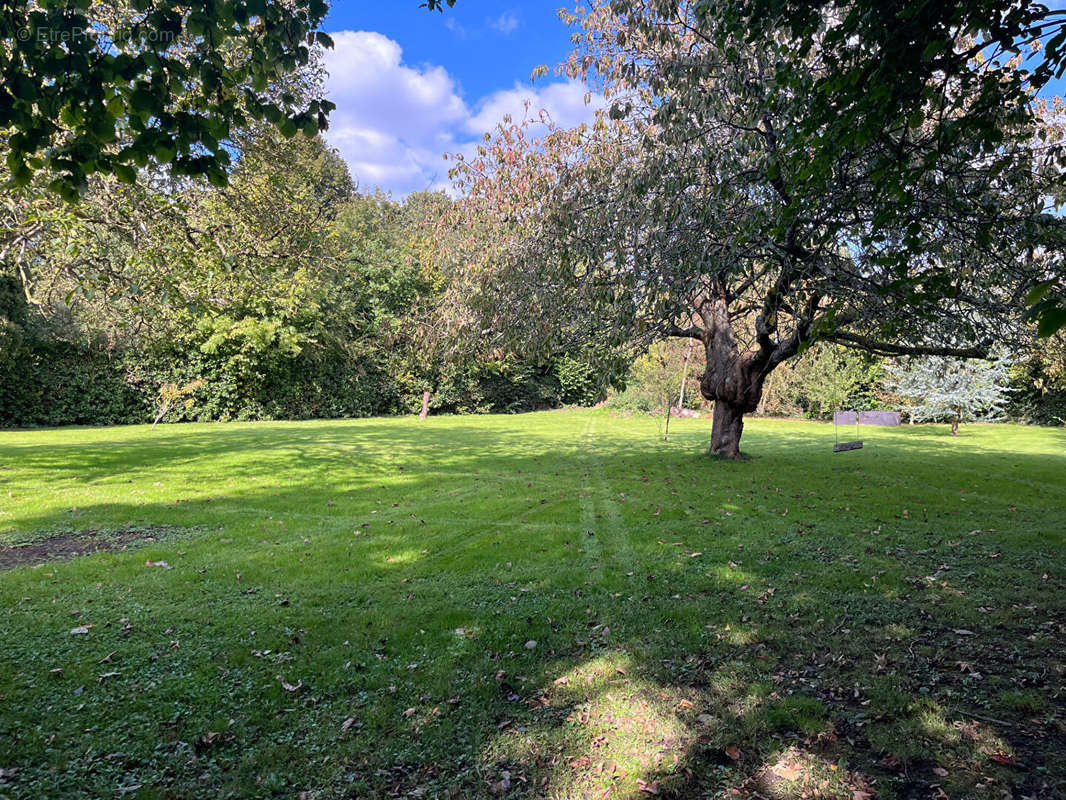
(788, 625)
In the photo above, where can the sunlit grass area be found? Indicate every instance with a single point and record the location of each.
(547, 605)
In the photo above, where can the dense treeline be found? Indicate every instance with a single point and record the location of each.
(828, 377)
(289, 294)
(285, 295)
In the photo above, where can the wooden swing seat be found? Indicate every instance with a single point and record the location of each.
(840, 447)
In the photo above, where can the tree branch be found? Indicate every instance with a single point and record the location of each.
(692, 332)
(888, 349)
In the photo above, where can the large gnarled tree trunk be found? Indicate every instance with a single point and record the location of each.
(734, 382)
(736, 371)
(734, 378)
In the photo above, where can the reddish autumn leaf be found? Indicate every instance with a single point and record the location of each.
(1003, 758)
(733, 752)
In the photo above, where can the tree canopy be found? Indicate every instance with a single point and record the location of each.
(703, 204)
(110, 87)
(981, 63)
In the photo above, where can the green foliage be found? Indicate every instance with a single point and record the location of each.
(1048, 307)
(580, 384)
(892, 68)
(55, 382)
(109, 88)
(826, 378)
(654, 380)
(282, 295)
(171, 394)
(13, 312)
(949, 389)
(49, 378)
(242, 383)
(1038, 384)
(906, 223)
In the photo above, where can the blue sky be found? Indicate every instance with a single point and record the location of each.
(411, 84)
(486, 45)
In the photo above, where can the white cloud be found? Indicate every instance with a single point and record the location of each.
(505, 23)
(394, 122)
(564, 103)
(455, 27)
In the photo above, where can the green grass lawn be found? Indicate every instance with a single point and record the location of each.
(548, 605)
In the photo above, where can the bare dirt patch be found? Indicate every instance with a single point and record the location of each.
(64, 546)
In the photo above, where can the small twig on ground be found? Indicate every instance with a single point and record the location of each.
(984, 718)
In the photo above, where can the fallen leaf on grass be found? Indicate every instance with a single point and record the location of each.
(787, 772)
(162, 564)
(500, 786)
(649, 787)
(288, 687)
(733, 752)
(1003, 758)
(348, 723)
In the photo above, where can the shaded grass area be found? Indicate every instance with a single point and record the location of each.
(547, 605)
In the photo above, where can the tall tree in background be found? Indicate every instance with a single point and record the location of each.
(153, 249)
(952, 390)
(393, 249)
(693, 208)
